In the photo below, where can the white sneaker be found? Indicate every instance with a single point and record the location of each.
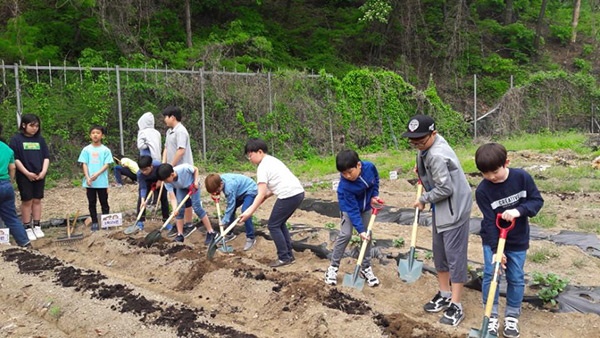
(331, 275)
(370, 277)
(30, 234)
(38, 232)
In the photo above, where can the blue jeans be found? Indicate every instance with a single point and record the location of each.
(120, 170)
(246, 201)
(515, 280)
(8, 213)
(196, 203)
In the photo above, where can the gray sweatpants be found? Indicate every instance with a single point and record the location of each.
(344, 237)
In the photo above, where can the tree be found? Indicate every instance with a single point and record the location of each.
(538, 27)
(575, 22)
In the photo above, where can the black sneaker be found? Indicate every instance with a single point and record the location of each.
(188, 230)
(179, 238)
(493, 326)
(437, 303)
(210, 236)
(172, 232)
(452, 316)
(511, 328)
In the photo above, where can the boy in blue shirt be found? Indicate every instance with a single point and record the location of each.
(146, 177)
(357, 191)
(178, 180)
(239, 190)
(95, 159)
(512, 193)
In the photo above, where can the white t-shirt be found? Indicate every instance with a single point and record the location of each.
(279, 179)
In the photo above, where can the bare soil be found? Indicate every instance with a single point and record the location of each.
(112, 285)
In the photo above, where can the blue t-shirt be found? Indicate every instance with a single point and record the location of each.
(95, 158)
(185, 177)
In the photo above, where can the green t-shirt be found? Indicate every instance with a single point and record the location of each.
(7, 156)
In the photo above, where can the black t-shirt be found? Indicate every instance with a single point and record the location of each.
(31, 151)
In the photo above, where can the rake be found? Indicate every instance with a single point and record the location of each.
(70, 238)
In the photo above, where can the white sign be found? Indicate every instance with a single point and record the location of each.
(4, 236)
(334, 184)
(393, 175)
(111, 220)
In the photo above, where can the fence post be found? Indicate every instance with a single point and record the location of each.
(119, 109)
(270, 109)
(475, 106)
(203, 115)
(18, 92)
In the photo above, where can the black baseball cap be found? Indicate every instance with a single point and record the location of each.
(419, 126)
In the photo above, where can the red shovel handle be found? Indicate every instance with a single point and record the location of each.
(504, 230)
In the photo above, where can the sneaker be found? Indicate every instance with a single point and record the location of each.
(27, 246)
(37, 230)
(493, 326)
(172, 232)
(188, 230)
(331, 275)
(30, 234)
(140, 225)
(210, 236)
(437, 303)
(511, 327)
(95, 227)
(230, 237)
(249, 243)
(278, 262)
(452, 316)
(179, 238)
(369, 276)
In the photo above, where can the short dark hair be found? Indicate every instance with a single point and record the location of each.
(30, 118)
(212, 182)
(346, 159)
(164, 170)
(256, 144)
(98, 127)
(490, 157)
(144, 161)
(172, 111)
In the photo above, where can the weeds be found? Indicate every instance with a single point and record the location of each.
(398, 242)
(589, 226)
(546, 220)
(330, 225)
(542, 255)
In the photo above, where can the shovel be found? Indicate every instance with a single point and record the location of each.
(224, 247)
(133, 228)
(155, 235)
(212, 247)
(162, 186)
(410, 269)
(354, 280)
(483, 331)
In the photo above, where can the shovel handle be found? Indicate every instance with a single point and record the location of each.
(187, 196)
(504, 230)
(413, 235)
(363, 247)
(143, 208)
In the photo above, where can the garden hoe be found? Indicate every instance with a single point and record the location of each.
(483, 331)
(212, 247)
(355, 280)
(70, 238)
(133, 228)
(224, 247)
(410, 269)
(155, 235)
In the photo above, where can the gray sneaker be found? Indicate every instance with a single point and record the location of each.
(173, 232)
(511, 328)
(188, 229)
(249, 243)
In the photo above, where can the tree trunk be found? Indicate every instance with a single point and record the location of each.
(188, 24)
(508, 12)
(538, 27)
(575, 22)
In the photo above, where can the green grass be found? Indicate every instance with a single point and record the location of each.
(544, 219)
(542, 255)
(589, 226)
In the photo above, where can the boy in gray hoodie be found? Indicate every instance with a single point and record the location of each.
(148, 138)
(449, 194)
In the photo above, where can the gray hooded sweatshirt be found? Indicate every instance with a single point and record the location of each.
(447, 187)
(148, 138)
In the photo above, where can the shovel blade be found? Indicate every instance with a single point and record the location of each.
(483, 331)
(152, 237)
(212, 247)
(354, 280)
(132, 229)
(410, 272)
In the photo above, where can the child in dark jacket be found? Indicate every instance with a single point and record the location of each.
(357, 190)
(513, 194)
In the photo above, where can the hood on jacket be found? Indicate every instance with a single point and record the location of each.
(146, 121)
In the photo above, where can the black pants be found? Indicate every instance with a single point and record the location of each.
(164, 201)
(102, 195)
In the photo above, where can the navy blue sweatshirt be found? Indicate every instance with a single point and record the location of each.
(519, 192)
(354, 197)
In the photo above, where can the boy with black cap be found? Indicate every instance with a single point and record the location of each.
(449, 193)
